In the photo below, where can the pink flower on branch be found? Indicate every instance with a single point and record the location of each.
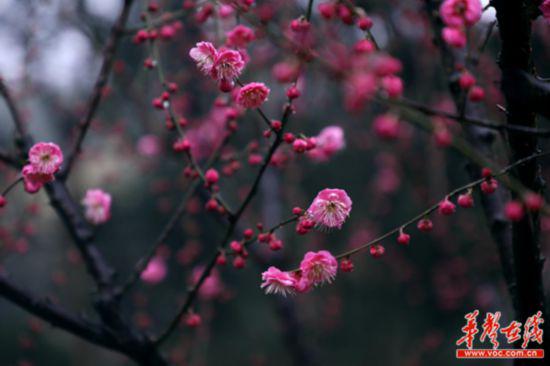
(330, 208)
(240, 36)
(204, 54)
(454, 37)
(278, 282)
(227, 66)
(252, 95)
(319, 267)
(45, 157)
(457, 13)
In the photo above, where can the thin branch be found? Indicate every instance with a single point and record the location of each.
(434, 207)
(109, 53)
(403, 102)
(55, 315)
(155, 54)
(170, 225)
(22, 138)
(193, 291)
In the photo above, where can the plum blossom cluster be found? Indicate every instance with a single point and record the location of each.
(320, 148)
(316, 269)
(223, 65)
(330, 209)
(97, 206)
(457, 16)
(45, 159)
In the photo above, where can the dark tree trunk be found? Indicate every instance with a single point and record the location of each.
(515, 22)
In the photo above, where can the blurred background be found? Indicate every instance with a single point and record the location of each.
(405, 308)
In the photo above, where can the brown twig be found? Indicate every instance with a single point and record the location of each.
(109, 53)
(193, 291)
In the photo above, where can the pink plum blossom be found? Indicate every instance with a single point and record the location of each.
(155, 271)
(457, 13)
(204, 54)
(386, 126)
(227, 66)
(149, 145)
(252, 95)
(319, 267)
(330, 208)
(45, 157)
(277, 282)
(97, 205)
(32, 180)
(329, 141)
(240, 36)
(454, 37)
(212, 286)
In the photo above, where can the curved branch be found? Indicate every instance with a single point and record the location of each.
(55, 315)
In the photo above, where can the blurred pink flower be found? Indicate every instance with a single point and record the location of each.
(329, 141)
(457, 13)
(155, 271)
(212, 286)
(386, 126)
(240, 36)
(545, 8)
(149, 145)
(454, 37)
(97, 204)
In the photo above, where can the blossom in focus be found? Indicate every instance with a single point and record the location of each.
(319, 267)
(330, 208)
(228, 65)
(252, 95)
(45, 158)
(204, 54)
(329, 141)
(32, 180)
(155, 271)
(276, 281)
(97, 206)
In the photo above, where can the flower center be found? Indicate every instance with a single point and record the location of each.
(460, 7)
(46, 158)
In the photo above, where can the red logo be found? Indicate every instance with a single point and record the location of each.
(490, 329)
